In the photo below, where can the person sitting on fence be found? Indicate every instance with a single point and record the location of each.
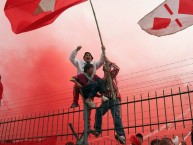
(90, 84)
(79, 64)
(112, 104)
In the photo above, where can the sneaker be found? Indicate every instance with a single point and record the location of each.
(94, 132)
(74, 105)
(104, 99)
(90, 103)
(121, 139)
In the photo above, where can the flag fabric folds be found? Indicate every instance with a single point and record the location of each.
(168, 18)
(27, 15)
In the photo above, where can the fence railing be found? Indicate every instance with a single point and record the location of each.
(152, 116)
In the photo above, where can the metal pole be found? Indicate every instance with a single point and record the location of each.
(85, 124)
(107, 64)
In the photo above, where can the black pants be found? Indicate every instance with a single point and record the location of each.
(92, 88)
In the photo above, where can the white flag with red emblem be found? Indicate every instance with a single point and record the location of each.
(168, 18)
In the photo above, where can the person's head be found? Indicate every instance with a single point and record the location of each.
(88, 57)
(140, 136)
(89, 68)
(166, 141)
(155, 142)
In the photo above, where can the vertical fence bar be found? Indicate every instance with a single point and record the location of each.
(6, 128)
(149, 112)
(48, 124)
(62, 124)
(39, 117)
(135, 113)
(85, 135)
(142, 114)
(183, 137)
(52, 123)
(34, 126)
(166, 121)
(57, 122)
(67, 123)
(73, 120)
(43, 124)
(29, 126)
(157, 110)
(2, 129)
(25, 126)
(78, 120)
(10, 129)
(17, 127)
(174, 114)
(13, 128)
(189, 100)
(181, 103)
(1, 123)
(21, 127)
(127, 115)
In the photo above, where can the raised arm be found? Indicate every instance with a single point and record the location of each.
(73, 55)
(100, 62)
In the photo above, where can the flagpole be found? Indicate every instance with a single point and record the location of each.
(97, 24)
(107, 64)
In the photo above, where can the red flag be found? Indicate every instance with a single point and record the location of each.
(27, 15)
(168, 18)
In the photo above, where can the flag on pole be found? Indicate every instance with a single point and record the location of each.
(27, 15)
(168, 18)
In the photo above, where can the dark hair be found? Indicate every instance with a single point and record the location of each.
(88, 53)
(139, 135)
(166, 141)
(69, 143)
(87, 67)
(155, 141)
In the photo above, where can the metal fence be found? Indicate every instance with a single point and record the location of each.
(155, 116)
